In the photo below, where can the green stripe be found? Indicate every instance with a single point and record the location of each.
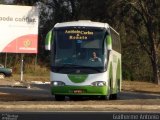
(48, 39)
(109, 40)
(77, 78)
(87, 90)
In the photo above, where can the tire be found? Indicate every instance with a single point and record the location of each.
(118, 85)
(113, 96)
(108, 96)
(105, 97)
(2, 76)
(59, 97)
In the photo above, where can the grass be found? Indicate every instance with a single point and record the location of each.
(31, 73)
(29, 77)
(138, 86)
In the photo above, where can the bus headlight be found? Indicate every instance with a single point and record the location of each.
(57, 83)
(99, 83)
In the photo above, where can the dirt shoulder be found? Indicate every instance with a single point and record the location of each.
(136, 86)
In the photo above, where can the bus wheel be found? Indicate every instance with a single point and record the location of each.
(118, 83)
(113, 97)
(59, 97)
(108, 96)
(105, 97)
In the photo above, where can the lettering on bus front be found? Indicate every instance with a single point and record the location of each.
(78, 34)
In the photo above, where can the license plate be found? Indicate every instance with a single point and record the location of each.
(77, 91)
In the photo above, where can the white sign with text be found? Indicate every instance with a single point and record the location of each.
(19, 29)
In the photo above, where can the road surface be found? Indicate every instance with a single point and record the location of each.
(39, 98)
(43, 90)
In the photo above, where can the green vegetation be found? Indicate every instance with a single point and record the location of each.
(137, 21)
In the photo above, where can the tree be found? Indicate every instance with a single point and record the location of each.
(144, 21)
(136, 20)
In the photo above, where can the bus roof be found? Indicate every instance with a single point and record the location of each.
(86, 23)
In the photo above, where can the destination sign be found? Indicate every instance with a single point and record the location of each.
(79, 34)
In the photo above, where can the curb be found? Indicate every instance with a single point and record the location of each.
(25, 85)
(39, 82)
(81, 107)
(15, 86)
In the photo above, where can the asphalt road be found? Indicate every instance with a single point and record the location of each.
(38, 98)
(35, 90)
(43, 90)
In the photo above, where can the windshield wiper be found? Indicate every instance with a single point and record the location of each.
(75, 65)
(70, 65)
(93, 68)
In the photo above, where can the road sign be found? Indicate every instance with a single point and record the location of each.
(19, 29)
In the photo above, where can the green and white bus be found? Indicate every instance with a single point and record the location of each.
(75, 69)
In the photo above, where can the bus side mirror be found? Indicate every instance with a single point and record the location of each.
(109, 43)
(48, 40)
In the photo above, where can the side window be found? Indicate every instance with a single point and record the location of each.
(116, 45)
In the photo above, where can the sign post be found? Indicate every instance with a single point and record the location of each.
(22, 64)
(5, 60)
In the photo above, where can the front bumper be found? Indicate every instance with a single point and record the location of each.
(79, 90)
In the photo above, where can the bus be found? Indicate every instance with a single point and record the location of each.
(85, 60)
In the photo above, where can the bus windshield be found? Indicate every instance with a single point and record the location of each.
(78, 49)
